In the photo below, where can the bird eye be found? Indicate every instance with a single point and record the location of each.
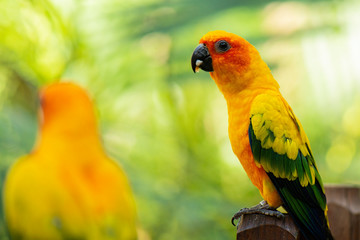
(222, 46)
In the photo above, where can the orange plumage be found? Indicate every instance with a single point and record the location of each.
(67, 187)
(241, 92)
(265, 135)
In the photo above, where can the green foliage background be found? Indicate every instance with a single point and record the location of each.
(166, 126)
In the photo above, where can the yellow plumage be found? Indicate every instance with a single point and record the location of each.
(273, 110)
(67, 188)
(265, 135)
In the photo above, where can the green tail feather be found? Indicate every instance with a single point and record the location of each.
(303, 197)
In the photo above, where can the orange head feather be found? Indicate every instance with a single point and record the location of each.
(66, 108)
(236, 57)
(232, 61)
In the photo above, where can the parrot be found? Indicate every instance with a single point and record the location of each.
(265, 135)
(67, 187)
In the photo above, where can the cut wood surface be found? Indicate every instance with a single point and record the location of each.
(259, 226)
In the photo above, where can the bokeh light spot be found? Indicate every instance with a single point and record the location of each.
(340, 154)
(351, 120)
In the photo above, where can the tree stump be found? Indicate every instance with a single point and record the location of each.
(344, 217)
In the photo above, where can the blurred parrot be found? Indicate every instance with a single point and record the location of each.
(67, 187)
(265, 135)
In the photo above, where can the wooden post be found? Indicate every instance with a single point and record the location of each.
(344, 217)
(344, 211)
(258, 226)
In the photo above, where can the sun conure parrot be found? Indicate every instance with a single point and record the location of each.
(265, 135)
(67, 187)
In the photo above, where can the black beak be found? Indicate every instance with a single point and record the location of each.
(201, 59)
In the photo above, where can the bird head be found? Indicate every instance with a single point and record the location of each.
(232, 61)
(66, 107)
(218, 49)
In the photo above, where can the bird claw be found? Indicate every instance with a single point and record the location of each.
(262, 208)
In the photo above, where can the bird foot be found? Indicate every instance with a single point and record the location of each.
(262, 208)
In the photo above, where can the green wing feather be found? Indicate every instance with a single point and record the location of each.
(280, 146)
